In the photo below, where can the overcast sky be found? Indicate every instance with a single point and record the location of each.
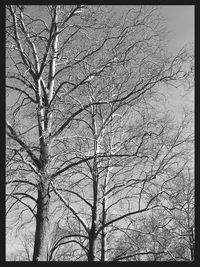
(180, 23)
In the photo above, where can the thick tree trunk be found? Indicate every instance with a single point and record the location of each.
(92, 234)
(42, 223)
(91, 256)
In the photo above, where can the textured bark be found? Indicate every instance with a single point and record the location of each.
(192, 244)
(42, 223)
(92, 235)
(95, 176)
(103, 232)
(91, 256)
(42, 216)
(44, 122)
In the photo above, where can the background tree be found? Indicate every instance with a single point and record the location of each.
(75, 78)
(167, 232)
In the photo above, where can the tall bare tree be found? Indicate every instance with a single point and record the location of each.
(74, 75)
(132, 185)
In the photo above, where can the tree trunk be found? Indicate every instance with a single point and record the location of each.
(92, 234)
(95, 176)
(103, 232)
(91, 256)
(192, 243)
(103, 245)
(42, 223)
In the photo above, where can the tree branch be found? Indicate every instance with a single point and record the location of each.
(15, 137)
(70, 207)
(139, 253)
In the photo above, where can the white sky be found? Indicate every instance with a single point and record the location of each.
(180, 22)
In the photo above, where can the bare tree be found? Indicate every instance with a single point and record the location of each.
(74, 76)
(182, 245)
(129, 186)
(167, 232)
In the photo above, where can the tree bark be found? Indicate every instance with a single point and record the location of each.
(103, 232)
(91, 256)
(95, 176)
(42, 223)
(92, 235)
(192, 244)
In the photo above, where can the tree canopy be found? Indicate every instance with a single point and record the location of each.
(93, 160)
